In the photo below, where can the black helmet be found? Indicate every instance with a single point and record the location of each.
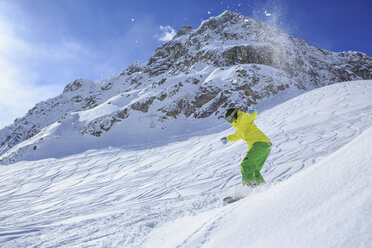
(231, 113)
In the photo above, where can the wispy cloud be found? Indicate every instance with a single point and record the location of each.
(18, 88)
(21, 83)
(167, 33)
(41, 51)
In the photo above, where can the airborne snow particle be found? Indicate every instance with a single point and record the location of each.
(267, 13)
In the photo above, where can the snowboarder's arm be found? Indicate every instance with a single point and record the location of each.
(246, 118)
(233, 137)
(250, 115)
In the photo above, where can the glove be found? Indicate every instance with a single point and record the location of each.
(224, 140)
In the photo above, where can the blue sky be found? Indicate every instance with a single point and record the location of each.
(45, 44)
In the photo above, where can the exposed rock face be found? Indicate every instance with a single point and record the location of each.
(184, 30)
(249, 55)
(230, 60)
(143, 106)
(97, 126)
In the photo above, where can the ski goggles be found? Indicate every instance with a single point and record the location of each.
(230, 117)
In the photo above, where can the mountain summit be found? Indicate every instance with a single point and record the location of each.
(229, 60)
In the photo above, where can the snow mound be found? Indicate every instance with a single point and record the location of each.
(327, 205)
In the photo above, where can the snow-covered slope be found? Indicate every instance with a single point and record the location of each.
(119, 197)
(131, 119)
(229, 60)
(328, 205)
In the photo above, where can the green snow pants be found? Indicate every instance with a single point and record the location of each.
(253, 162)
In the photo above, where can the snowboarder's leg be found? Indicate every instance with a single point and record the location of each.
(253, 162)
(258, 177)
(247, 169)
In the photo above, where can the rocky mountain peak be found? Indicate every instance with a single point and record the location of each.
(80, 84)
(229, 60)
(184, 31)
(226, 19)
(216, 40)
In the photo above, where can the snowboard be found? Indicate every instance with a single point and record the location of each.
(230, 199)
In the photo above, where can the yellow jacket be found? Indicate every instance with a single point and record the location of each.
(246, 129)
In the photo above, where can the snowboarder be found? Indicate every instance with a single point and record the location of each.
(259, 145)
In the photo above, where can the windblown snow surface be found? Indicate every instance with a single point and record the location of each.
(318, 192)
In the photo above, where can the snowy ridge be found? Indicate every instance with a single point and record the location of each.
(129, 197)
(230, 60)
